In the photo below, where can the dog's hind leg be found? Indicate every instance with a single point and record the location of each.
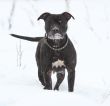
(40, 76)
(60, 78)
(40, 73)
(47, 79)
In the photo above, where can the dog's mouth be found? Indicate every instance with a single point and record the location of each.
(55, 36)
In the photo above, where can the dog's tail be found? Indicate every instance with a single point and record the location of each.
(33, 39)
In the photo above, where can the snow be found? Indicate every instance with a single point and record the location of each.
(89, 32)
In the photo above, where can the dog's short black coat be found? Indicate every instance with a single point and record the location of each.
(55, 51)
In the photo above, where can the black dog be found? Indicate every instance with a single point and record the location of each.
(55, 51)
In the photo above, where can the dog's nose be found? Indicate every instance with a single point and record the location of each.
(55, 29)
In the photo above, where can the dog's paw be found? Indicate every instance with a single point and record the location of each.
(43, 83)
(71, 90)
(56, 88)
(48, 88)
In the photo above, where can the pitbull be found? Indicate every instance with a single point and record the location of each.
(55, 51)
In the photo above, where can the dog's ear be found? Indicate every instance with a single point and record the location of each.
(67, 15)
(44, 16)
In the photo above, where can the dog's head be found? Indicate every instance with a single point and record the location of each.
(56, 24)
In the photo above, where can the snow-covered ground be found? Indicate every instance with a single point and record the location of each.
(90, 33)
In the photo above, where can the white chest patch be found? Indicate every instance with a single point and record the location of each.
(58, 63)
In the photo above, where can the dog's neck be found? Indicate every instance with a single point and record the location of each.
(57, 43)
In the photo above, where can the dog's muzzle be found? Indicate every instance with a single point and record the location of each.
(55, 34)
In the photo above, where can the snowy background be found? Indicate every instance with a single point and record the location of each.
(90, 33)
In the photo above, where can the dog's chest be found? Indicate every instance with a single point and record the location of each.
(58, 63)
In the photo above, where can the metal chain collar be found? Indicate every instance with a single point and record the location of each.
(57, 49)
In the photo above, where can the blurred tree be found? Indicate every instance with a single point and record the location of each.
(12, 13)
(67, 5)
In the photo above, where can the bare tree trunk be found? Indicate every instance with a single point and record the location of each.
(19, 46)
(11, 14)
(67, 5)
(19, 54)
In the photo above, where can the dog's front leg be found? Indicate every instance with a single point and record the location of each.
(71, 78)
(47, 79)
(60, 78)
